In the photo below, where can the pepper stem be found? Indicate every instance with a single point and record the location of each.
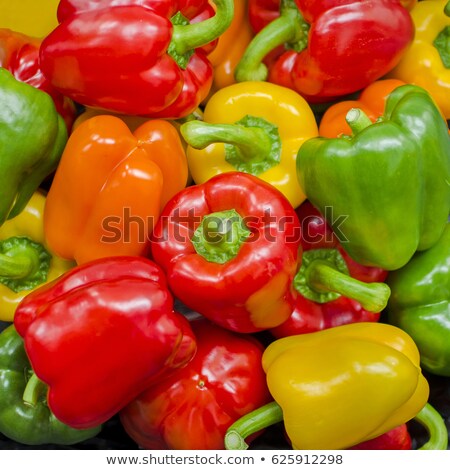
(188, 37)
(16, 267)
(324, 276)
(358, 120)
(252, 142)
(290, 27)
(24, 264)
(447, 8)
(435, 425)
(220, 236)
(253, 145)
(442, 44)
(35, 387)
(255, 421)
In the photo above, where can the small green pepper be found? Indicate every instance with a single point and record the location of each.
(26, 423)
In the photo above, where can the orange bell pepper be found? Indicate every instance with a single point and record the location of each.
(110, 187)
(371, 101)
(231, 47)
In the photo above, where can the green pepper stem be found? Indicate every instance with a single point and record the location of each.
(435, 425)
(252, 143)
(33, 390)
(24, 264)
(220, 236)
(358, 120)
(442, 45)
(322, 277)
(290, 27)
(447, 8)
(17, 267)
(189, 37)
(255, 421)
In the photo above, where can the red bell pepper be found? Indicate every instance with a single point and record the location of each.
(262, 12)
(144, 57)
(333, 47)
(20, 55)
(229, 249)
(193, 408)
(333, 289)
(395, 439)
(99, 335)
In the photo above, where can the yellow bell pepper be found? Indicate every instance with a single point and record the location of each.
(338, 387)
(35, 18)
(231, 47)
(264, 143)
(25, 261)
(422, 63)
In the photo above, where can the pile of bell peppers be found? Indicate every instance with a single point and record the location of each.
(240, 208)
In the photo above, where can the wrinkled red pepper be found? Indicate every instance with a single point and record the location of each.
(100, 334)
(321, 309)
(333, 47)
(20, 55)
(193, 408)
(137, 57)
(229, 248)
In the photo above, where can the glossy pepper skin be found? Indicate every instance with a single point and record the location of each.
(230, 47)
(20, 55)
(19, 421)
(32, 138)
(395, 439)
(229, 249)
(420, 303)
(113, 183)
(254, 127)
(194, 406)
(133, 56)
(29, 225)
(321, 309)
(100, 335)
(400, 165)
(333, 47)
(311, 378)
(427, 62)
(263, 12)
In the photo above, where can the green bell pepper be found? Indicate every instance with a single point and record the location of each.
(420, 304)
(32, 138)
(389, 180)
(30, 425)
